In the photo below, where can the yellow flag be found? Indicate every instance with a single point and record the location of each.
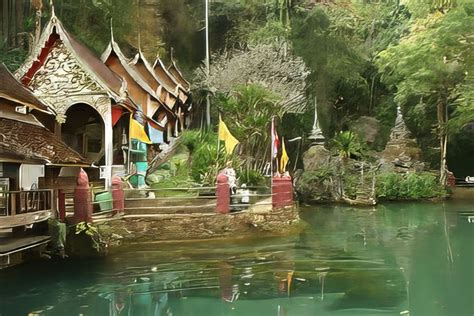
(284, 157)
(137, 131)
(288, 280)
(226, 136)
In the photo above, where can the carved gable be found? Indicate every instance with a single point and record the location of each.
(62, 82)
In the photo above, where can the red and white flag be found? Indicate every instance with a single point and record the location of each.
(275, 140)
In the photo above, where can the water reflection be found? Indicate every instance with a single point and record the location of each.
(397, 259)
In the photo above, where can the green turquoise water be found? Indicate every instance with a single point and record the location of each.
(410, 258)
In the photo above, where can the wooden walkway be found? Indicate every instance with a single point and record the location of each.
(24, 219)
(11, 245)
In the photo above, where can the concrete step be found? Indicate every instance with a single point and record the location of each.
(168, 201)
(192, 209)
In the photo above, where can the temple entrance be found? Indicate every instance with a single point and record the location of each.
(84, 132)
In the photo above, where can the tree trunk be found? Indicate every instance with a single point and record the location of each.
(4, 25)
(13, 25)
(443, 138)
(38, 6)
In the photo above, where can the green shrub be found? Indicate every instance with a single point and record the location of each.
(204, 159)
(351, 183)
(347, 144)
(191, 139)
(250, 177)
(315, 185)
(392, 186)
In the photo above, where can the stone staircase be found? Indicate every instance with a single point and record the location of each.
(169, 205)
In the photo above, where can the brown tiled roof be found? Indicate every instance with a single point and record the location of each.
(169, 81)
(113, 51)
(14, 91)
(35, 143)
(178, 76)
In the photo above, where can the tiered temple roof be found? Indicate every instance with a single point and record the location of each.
(93, 66)
(22, 138)
(121, 65)
(12, 90)
(166, 92)
(169, 80)
(174, 70)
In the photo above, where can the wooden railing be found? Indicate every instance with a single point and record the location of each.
(20, 202)
(177, 199)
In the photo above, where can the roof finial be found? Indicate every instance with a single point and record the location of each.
(172, 54)
(53, 14)
(139, 42)
(111, 30)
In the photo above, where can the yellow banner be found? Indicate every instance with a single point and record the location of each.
(284, 157)
(225, 135)
(137, 131)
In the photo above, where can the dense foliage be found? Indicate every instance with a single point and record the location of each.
(394, 186)
(248, 111)
(206, 159)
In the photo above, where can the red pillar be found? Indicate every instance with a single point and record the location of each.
(282, 188)
(62, 205)
(225, 281)
(118, 195)
(82, 199)
(222, 194)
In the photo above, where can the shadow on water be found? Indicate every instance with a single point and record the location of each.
(397, 258)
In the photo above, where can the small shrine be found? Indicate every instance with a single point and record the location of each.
(402, 150)
(316, 135)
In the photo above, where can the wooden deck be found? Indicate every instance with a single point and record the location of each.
(11, 245)
(24, 219)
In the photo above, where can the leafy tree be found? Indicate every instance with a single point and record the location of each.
(428, 66)
(338, 43)
(248, 111)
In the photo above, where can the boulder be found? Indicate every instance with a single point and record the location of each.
(316, 157)
(367, 128)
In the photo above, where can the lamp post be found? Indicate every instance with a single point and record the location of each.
(208, 101)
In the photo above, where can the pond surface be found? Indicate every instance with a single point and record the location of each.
(396, 259)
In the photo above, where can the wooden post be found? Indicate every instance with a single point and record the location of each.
(222, 194)
(62, 205)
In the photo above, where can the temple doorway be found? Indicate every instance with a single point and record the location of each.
(84, 132)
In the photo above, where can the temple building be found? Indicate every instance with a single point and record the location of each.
(174, 81)
(31, 156)
(110, 109)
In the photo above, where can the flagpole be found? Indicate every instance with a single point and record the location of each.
(218, 143)
(129, 154)
(271, 155)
